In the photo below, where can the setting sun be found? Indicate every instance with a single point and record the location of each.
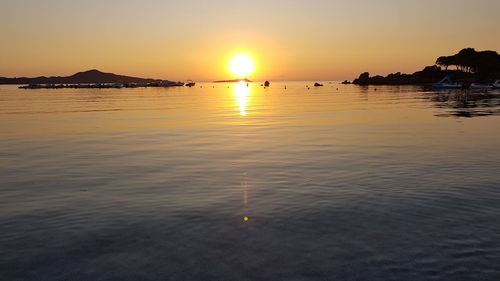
(241, 66)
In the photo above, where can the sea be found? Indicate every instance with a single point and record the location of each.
(240, 182)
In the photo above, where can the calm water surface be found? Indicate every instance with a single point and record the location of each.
(227, 182)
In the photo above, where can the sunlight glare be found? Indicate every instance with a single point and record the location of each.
(241, 66)
(242, 91)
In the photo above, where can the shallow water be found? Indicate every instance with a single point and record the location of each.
(335, 183)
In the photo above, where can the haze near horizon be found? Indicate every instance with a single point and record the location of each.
(288, 40)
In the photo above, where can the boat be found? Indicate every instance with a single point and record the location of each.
(167, 83)
(190, 83)
(447, 83)
(32, 86)
(481, 86)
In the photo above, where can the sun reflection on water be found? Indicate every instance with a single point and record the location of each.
(242, 92)
(244, 185)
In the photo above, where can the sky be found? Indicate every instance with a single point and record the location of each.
(194, 39)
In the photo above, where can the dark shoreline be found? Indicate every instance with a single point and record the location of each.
(471, 67)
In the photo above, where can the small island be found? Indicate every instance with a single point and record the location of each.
(234, 81)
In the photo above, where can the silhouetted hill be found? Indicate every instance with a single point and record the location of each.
(471, 66)
(85, 77)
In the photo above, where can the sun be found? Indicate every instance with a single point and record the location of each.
(241, 65)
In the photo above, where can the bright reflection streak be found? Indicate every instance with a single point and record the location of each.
(245, 197)
(242, 92)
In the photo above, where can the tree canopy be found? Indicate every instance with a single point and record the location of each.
(470, 60)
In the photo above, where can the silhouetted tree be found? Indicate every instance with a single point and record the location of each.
(466, 58)
(469, 60)
(445, 61)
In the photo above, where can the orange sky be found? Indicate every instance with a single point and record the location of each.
(290, 40)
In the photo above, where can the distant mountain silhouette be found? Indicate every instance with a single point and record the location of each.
(85, 77)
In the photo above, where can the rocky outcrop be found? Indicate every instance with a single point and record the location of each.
(471, 67)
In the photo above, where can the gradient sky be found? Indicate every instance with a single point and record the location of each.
(192, 39)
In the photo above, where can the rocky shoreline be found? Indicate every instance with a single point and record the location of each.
(471, 67)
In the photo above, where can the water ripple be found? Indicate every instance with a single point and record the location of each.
(269, 184)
